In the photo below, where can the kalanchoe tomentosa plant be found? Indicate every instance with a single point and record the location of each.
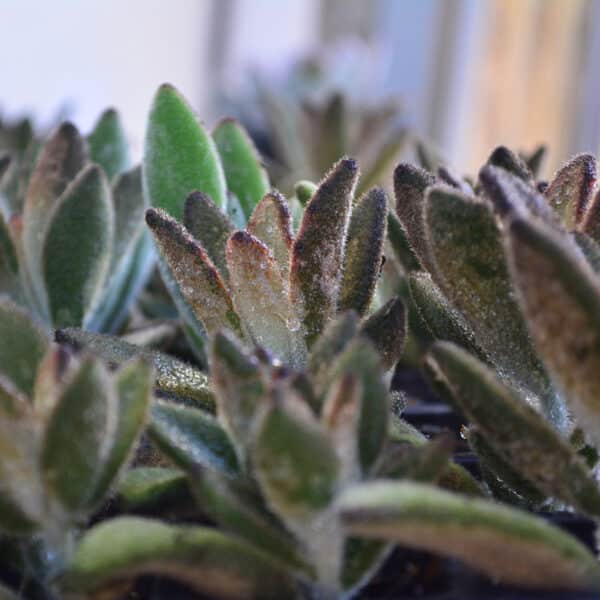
(310, 489)
(512, 290)
(72, 243)
(67, 427)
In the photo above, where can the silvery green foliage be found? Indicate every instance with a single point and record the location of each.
(506, 285)
(72, 243)
(67, 427)
(247, 270)
(311, 481)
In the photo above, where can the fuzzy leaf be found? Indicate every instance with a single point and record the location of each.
(133, 385)
(261, 298)
(590, 222)
(570, 192)
(295, 463)
(240, 389)
(361, 360)
(536, 159)
(442, 319)
(386, 330)
(305, 190)
(514, 429)
(210, 226)
(398, 238)
(318, 251)
(535, 553)
(172, 376)
(471, 268)
(565, 324)
(179, 156)
(77, 248)
(509, 161)
(108, 144)
(14, 520)
(410, 184)
(9, 266)
(332, 342)
(79, 433)
(271, 223)
(199, 282)
(363, 251)
(60, 159)
(192, 438)
(201, 557)
(590, 249)
(245, 175)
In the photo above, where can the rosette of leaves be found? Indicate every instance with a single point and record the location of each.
(268, 285)
(311, 481)
(67, 427)
(507, 284)
(72, 243)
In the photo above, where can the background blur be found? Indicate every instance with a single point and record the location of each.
(471, 73)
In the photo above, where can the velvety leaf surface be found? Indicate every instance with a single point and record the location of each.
(261, 298)
(410, 183)
(570, 191)
(245, 175)
(363, 252)
(509, 161)
(179, 156)
(471, 268)
(590, 249)
(565, 324)
(77, 248)
(271, 223)
(23, 348)
(172, 376)
(319, 248)
(534, 552)
(108, 145)
(192, 438)
(9, 267)
(200, 557)
(514, 429)
(398, 238)
(79, 434)
(199, 282)
(210, 226)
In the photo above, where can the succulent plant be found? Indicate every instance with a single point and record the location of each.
(311, 480)
(72, 243)
(67, 427)
(507, 286)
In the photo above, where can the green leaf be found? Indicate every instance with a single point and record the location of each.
(590, 249)
(362, 560)
(363, 251)
(240, 389)
(386, 329)
(570, 191)
(271, 223)
(9, 266)
(14, 520)
(62, 156)
(192, 438)
(536, 159)
(201, 557)
(410, 183)
(79, 434)
(245, 175)
(305, 190)
(77, 248)
(199, 282)
(515, 430)
(442, 319)
(108, 144)
(294, 461)
(509, 161)
(398, 238)
(466, 244)
(361, 359)
(317, 255)
(590, 222)
(179, 156)
(24, 346)
(565, 324)
(261, 298)
(534, 553)
(210, 226)
(172, 376)
(133, 384)
(332, 124)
